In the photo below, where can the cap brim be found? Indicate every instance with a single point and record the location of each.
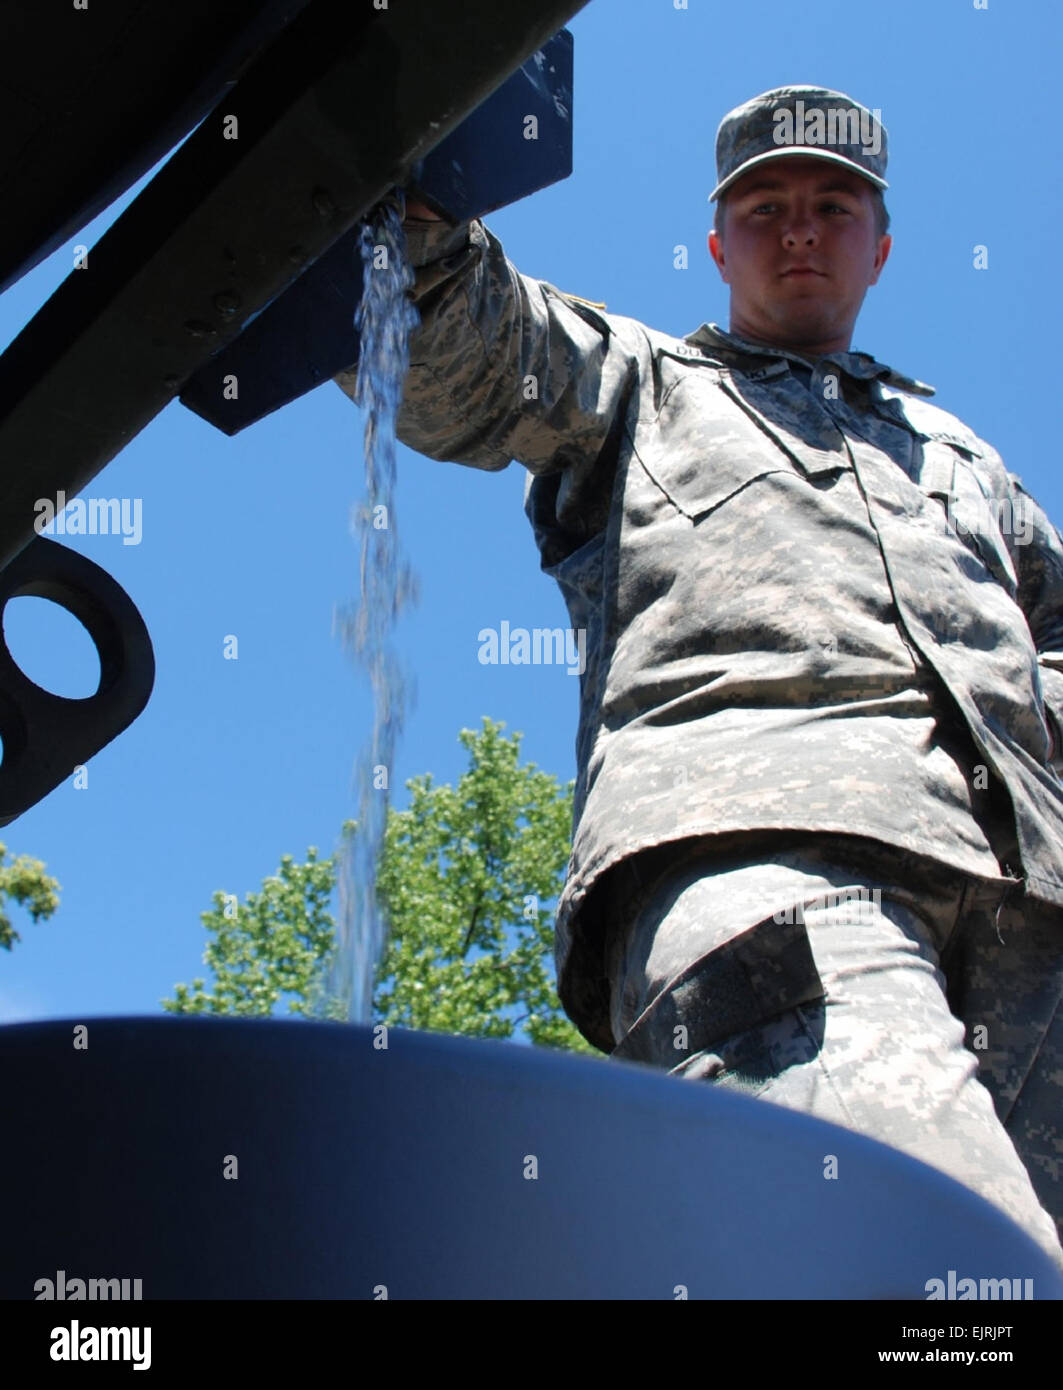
(806, 152)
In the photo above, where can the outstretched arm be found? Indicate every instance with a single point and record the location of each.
(502, 366)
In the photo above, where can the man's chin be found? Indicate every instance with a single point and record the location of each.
(804, 324)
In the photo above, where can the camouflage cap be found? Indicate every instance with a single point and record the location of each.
(812, 121)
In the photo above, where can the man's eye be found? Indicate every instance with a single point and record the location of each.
(764, 207)
(834, 207)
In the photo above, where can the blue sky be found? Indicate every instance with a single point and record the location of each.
(234, 763)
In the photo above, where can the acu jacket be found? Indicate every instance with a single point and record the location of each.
(812, 600)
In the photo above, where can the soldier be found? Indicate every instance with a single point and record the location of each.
(818, 836)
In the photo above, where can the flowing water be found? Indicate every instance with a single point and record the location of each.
(383, 320)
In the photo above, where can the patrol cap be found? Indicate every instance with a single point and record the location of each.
(812, 121)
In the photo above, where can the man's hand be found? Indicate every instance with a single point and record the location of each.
(419, 213)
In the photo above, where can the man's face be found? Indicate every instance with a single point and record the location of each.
(799, 252)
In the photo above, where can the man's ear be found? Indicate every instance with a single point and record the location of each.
(885, 243)
(716, 252)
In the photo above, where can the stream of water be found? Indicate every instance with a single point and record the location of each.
(383, 320)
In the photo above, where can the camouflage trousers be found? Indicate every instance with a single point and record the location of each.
(838, 977)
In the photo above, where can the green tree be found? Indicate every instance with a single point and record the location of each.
(268, 947)
(466, 877)
(25, 882)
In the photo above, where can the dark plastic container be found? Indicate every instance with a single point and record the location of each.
(255, 1159)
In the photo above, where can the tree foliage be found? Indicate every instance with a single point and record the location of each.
(24, 881)
(266, 948)
(466, 880)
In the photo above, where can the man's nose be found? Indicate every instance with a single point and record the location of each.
(800, 231)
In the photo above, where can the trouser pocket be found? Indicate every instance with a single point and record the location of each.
(764, 971)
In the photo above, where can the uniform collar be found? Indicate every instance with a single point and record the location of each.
(859, 365)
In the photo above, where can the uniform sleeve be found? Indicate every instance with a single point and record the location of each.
(503, 366)
(1038, 548)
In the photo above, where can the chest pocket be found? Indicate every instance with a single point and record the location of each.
(714, 433)
(977, 503)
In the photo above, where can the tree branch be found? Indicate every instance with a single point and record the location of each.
(473, 921)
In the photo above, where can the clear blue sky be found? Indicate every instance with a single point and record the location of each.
(234, 763)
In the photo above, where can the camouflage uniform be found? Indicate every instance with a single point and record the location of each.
(813, 602)
(837, 978)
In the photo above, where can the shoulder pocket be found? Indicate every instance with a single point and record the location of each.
(977, 503)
